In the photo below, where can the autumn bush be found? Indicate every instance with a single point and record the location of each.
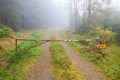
(107, 34)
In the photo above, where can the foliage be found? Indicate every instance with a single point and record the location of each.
(5, 31)
(106, 34)
(106, 18)
(19, 63)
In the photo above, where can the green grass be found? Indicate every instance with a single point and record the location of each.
(107, 60)
(5, 31)
(19, 63)
(63, 67)
(111, 63)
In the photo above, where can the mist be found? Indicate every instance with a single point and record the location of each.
(27, 14)
(45, 13)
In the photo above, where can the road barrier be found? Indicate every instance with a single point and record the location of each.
(43, 41)
(99, 46)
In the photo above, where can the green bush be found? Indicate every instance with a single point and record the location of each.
(5, 31)
(106, 34)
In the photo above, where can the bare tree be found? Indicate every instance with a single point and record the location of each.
(73, 15)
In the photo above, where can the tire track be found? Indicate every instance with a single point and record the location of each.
(89, 71)
(42, 69)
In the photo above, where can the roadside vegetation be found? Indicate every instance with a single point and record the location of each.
(5, 31)
(107, 60)
(13, 65)
(95, 23)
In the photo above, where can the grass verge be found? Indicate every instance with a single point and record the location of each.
(19, 63)
(63, 67)
(106, 60)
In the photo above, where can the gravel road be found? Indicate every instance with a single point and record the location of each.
(42, 69)
(89, 71)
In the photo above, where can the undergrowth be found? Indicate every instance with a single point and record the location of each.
(5, 31)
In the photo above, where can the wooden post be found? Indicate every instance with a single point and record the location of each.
(16, 43)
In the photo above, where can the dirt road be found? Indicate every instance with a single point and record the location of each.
(89, 71)
(42, 69)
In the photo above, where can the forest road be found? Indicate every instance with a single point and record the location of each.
(42, 69)
(89, 71)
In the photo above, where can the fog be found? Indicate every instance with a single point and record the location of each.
(51, 13)
(45, 13)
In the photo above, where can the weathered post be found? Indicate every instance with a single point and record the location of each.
(16, 43)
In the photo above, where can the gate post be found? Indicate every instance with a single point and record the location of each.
(16, 43)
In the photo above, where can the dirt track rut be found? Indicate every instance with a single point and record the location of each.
(89, 71)
(42, 69)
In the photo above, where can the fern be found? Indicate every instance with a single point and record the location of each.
(5, 31)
